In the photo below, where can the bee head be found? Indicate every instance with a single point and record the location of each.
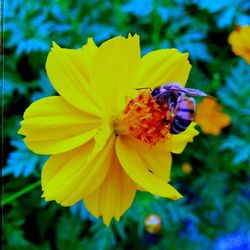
(155, 92)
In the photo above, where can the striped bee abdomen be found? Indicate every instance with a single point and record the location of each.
(184, 114)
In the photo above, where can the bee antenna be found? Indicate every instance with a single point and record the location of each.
(144, 88)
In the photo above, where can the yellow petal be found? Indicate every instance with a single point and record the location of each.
(70, 176)
(137, 170)
(114, 196)
(162, 66)
(215, 123)
(178, 142)
(58, 146)
(53, 126)
(222, 120)
(156, 161)
(240, 41)
(67, 71)
(112, 69)
(86, 56)
(210, 117)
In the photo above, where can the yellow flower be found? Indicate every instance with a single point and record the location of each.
(100, 130)
(186, 168)
(210, 118)
(240, 42)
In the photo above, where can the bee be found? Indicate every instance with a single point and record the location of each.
(181, 108)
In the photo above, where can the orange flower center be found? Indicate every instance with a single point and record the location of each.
(145, 119)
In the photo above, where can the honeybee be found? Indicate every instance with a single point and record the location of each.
(181, 108)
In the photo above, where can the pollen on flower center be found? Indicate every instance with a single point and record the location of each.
(145, 119)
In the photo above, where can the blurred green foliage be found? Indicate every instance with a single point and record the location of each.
(216, 206)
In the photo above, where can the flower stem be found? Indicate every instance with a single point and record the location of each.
(120, 16)
(20, 193)
(156, 22)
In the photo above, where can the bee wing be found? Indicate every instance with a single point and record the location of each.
(177, 87)
(194, 92)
